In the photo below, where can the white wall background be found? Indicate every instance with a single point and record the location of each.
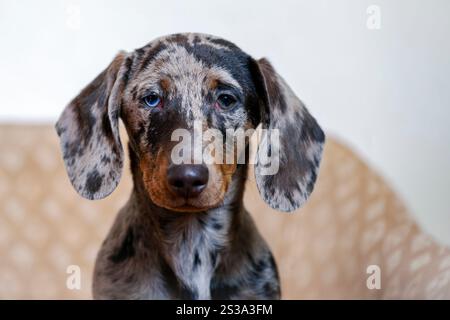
(386, 92)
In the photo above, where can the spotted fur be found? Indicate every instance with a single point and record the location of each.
(301, 144)
(89, 133)
(162, 246)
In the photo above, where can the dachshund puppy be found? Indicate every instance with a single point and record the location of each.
(184, 233)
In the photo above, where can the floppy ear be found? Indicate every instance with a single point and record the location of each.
(299, 147)
(89, 133)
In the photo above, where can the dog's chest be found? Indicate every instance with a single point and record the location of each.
(193, 255)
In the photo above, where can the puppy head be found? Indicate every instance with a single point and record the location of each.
(170, 95)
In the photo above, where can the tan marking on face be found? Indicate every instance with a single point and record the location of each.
(227, 171)
(212, 84)
(165, 84)
(154, 171)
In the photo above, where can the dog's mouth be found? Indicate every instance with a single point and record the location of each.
(189, 208)
(186, 204)
(166, 199)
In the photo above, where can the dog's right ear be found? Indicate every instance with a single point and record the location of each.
(89, 132)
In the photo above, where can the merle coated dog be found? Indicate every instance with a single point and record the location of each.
(184, 232)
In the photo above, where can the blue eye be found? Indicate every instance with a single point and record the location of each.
(152, 100)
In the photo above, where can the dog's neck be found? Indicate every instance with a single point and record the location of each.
(189, 243)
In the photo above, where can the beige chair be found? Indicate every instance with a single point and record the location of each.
(352, 221)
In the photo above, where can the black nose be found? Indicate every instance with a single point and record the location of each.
(187, 180)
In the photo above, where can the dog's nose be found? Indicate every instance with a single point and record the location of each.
(187, 180)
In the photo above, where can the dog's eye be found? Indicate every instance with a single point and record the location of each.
(226, 101)
(152, 100)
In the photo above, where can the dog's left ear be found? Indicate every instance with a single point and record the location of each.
(299, 147)
(88, 130)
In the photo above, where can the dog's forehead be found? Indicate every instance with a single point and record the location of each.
(192, 55)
